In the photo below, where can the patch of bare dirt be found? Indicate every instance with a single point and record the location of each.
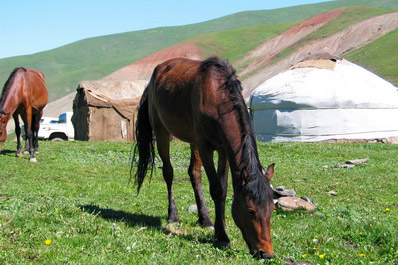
(142, 69)
(339, 43)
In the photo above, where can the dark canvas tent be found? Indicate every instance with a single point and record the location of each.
(106, 110)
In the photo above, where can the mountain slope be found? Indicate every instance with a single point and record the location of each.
(94, 58)
(269, 50)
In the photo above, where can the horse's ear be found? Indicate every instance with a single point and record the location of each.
(245, 177)
(270, 172)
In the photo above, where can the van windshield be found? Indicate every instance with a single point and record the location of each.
(62, 118)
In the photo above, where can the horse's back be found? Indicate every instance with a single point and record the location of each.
(170, 97)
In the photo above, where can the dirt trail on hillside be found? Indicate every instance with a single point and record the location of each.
(339, 43)
(267, 51)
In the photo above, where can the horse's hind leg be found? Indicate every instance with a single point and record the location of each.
(163, 145)
(18, 133)
(195, 174)
(36, 123)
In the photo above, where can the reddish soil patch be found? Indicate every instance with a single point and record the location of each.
(143, 68)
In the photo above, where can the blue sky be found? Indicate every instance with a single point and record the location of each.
(31, 26)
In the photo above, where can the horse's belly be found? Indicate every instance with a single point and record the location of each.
(180, 127)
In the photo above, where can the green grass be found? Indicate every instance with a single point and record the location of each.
(78, 196)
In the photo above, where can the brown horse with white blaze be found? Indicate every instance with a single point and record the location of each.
(200, 102)
(25, 94)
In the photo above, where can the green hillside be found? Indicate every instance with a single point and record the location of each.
(96, 57)
(380, 57)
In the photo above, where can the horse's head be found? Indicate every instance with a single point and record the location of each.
(252, 213)
(3, 128)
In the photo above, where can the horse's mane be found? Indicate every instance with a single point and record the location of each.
(257, 187)
(7, 86)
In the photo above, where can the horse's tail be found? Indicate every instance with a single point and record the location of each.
(144, 145)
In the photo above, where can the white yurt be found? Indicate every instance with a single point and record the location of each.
(319, 100)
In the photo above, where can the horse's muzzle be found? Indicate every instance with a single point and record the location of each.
(262, 255)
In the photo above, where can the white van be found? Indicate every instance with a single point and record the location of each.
(62, 130)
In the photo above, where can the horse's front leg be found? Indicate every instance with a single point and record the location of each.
(218, 190)
(29, 135)
(195, 174)
(18, 133)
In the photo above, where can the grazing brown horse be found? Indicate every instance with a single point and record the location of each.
(25, 94)
(200, 102)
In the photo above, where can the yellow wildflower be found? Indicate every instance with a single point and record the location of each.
(48, 242)
(388, 209)
(362, 255)
(304, 256)
(321, 256)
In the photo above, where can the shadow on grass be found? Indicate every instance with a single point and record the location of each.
(130, 219)
(143, 221)
(8, 152)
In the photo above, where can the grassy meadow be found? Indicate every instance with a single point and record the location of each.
(76, 206)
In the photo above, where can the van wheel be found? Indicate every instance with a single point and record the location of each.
(56, 139)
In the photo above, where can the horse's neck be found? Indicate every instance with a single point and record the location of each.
(241, 154)
(11, 101)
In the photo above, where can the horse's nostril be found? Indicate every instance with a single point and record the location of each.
(261, 255)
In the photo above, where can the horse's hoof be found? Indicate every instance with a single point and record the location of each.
(206, 224)
(36, 152)
(173, 221)
(33, 160)
(222, 244)
(25, 152)
(19, 155)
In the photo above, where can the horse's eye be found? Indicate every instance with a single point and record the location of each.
(251, 211)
